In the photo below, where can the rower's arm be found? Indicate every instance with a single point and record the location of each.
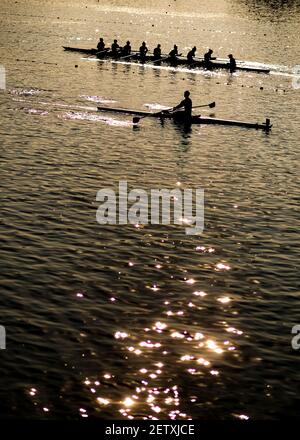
(180, 105)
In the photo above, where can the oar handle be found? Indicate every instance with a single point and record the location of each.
(211, 105)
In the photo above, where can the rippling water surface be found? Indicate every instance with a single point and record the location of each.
(148, 322)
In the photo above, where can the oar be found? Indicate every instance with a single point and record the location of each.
(159, 59)
(163, 59)
(102, 51)
(127, 56)
(211, 105)
(201, 61)
(137, 119)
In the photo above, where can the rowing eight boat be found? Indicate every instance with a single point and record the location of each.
(77, 49)
(180, 61)
(195, 119)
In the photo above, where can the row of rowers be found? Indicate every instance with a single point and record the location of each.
(118, 50)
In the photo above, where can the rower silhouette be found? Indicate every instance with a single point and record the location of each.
(208, 58)
(173, 54)
(101, 45)
(191, 55)
(115, 48)
(183, 111)
(126, 50)
(157, 52)
(143, 52)
(232, 63)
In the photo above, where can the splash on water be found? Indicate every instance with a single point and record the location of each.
(35, 111)
(84, 116)
(156, 106)
(24, 92)
(99, 99)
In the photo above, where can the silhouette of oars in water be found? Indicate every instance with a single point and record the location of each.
(137, 119)
(159, 60)
(102, 51)
(125, 57)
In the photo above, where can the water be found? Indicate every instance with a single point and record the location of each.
(148, 322)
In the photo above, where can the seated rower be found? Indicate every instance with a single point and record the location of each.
(173, 54)
(191, 55)
(208, 58)
(126, 50)
(143, 51)
(157, 52)
(186, 114)
(115, 48)
(101, 45)
(232, 63)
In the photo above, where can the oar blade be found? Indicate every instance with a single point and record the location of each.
(136, 120)
(212, 105)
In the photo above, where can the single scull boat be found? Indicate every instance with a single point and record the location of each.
(195, 119)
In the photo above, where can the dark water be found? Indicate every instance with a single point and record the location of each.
(120, 321)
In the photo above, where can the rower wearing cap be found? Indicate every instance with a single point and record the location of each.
(208, 58)
(126, 50)
(157, 52)
(191, 55)
(143, 51)
(101, 45)
(187, 105)
(115, 48)
(232, 63)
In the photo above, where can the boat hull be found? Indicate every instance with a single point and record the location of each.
(196, 120)
(149, 59)
(77, 49)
